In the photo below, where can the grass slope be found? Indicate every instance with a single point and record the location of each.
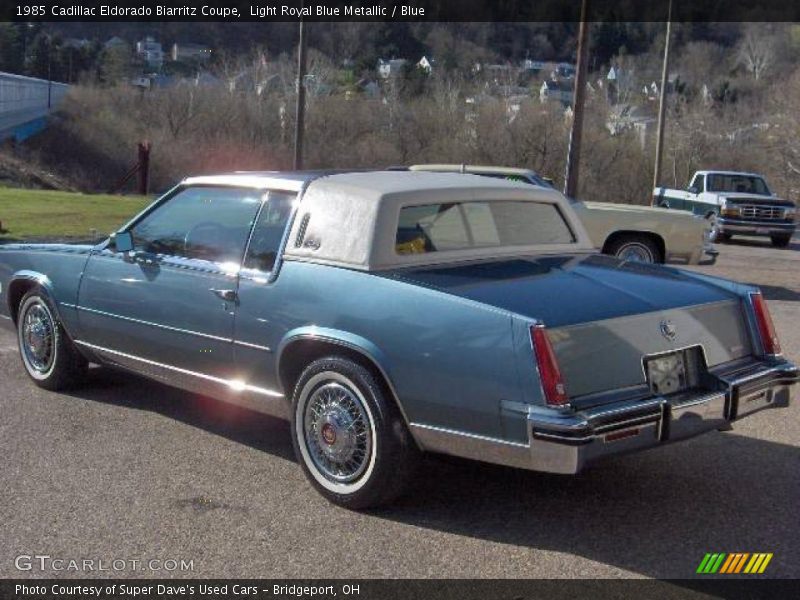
(42, 214)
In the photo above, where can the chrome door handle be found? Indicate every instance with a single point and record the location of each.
(227, 295)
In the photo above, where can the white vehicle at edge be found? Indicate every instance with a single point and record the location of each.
(734, 202)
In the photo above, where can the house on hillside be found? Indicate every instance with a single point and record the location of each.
(499, 73)
(391, 68)
(556, 91)
(651, 92)
(537, 66)
(626, 117)
(151, 53)
(426, 64)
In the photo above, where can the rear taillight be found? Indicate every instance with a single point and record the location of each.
(766, 329)
(555, 394)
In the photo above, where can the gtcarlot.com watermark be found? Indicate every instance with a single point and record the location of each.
(58, 564)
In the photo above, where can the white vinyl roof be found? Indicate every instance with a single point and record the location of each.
(350, 219)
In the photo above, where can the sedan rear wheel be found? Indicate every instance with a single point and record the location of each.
(349, 438)
(714, 233)
(635, 248)
(48, 355)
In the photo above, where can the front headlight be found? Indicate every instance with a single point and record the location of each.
(790, 213)
(730, 210)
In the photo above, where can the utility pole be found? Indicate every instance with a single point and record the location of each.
(662, 103)
(300, 111)
(574, 151)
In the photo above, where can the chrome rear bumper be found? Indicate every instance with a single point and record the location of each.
(563, 441)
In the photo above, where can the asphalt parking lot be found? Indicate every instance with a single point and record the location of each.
(127, 469)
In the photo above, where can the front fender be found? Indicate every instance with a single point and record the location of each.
(21, 279)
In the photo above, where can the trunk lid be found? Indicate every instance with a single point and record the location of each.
(603, 315)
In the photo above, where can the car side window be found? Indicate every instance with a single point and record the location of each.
(209, 223)
(269, 231)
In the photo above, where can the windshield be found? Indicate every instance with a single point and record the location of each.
(742, 184)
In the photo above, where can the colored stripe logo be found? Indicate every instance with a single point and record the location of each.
(734, 563)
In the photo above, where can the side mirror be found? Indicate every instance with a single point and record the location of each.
(693, 190)
(122, 241)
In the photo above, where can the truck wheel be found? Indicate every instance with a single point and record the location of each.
(349, 438)
(781, 241)
(635, 248)
(48, 355)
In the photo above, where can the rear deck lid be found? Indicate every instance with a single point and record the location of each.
(567, 290)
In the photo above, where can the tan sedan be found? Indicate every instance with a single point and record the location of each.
(627, 231)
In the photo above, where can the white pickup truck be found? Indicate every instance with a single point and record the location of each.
(734, 203)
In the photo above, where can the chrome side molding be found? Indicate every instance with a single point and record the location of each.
(235, 391)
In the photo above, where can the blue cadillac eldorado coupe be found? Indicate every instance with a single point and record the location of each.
(388, 314)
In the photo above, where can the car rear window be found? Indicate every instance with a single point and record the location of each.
(463, 225)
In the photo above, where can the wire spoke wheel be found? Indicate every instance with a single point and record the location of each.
(37, 334)
(337, 432)
(350, 438)
(635, 252)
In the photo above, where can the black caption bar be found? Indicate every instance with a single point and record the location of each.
(401, 589)
(397, 10)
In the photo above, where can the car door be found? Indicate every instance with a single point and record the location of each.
(166, 308)
(263, 313)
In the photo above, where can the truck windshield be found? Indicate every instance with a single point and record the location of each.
(742, 184)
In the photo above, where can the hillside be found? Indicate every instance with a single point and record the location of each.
(54, 215)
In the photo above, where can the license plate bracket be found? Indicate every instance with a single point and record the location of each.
(673, 372)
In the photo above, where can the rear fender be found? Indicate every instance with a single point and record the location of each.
(363, 347)
(346, 339)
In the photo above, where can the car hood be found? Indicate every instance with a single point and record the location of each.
(570, 289)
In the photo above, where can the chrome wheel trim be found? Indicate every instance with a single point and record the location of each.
(37, 334)
(713, 233)
(636, 252)
(336, 432)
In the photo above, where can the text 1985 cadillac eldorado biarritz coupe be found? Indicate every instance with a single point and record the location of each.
(392, 313)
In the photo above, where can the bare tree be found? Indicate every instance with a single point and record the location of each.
(757, 50)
